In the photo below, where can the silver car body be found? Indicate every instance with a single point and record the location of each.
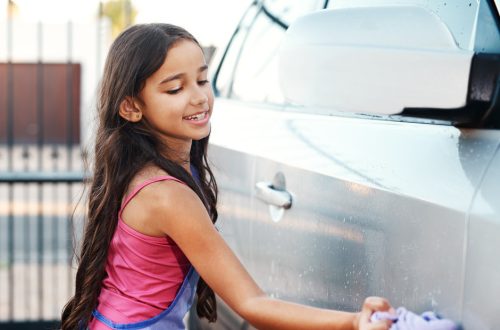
(405, 209)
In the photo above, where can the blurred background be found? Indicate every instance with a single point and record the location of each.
(51, 57)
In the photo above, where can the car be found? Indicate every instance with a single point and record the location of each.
(356, 148)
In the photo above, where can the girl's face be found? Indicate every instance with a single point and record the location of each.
(177, 99)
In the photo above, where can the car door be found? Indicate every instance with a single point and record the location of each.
(379, 206)
(246, 90)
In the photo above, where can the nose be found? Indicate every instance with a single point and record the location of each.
(199, 96)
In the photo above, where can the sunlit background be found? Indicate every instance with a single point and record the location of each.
(209, 21)
(81, 31)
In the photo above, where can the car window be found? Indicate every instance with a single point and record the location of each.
(288, 11)
(224, 76)
(255, 74)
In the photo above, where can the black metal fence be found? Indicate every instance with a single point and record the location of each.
(41, 184)
(37, 215)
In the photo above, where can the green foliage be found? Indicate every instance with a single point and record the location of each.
(121, 14)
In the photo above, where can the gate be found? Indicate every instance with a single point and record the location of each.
(41, 177)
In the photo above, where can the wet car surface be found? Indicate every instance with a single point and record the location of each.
(404, 205)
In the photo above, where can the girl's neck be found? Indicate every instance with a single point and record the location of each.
(182, 160)
(179, 153)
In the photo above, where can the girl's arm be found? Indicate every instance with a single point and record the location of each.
(175, 210)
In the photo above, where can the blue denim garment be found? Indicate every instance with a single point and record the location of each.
(172, 317)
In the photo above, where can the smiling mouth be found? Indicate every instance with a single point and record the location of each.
(198, 116)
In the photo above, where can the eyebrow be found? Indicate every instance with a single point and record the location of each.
(179, 75)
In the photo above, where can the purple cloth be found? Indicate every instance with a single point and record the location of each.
(406, 320)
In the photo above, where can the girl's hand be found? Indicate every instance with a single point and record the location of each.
(370, 306)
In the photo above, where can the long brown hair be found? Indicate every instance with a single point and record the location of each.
(122, 149)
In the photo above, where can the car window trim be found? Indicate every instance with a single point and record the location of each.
(495, 12)
(260, 10)
(274, 18)
(240, 51)
(228, 46)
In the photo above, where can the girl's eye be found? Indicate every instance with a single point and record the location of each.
(203, 82)
(174, 91)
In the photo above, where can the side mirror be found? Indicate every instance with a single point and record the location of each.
(377, 60)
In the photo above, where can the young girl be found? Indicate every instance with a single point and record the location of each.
(150, 243)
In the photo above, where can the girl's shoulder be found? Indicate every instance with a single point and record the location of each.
(147, 173)
(145, 177)
(151, 195)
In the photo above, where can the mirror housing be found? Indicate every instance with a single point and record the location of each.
(373, 60)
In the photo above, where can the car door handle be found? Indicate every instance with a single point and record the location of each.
(269, 194)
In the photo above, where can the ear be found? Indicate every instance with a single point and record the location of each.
(130, 110)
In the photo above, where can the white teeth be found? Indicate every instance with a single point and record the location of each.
(197, 117)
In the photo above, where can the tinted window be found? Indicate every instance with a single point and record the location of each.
(226, 70)
(289, 10)
(255, 75)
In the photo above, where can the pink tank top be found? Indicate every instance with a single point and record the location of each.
(144, 273)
